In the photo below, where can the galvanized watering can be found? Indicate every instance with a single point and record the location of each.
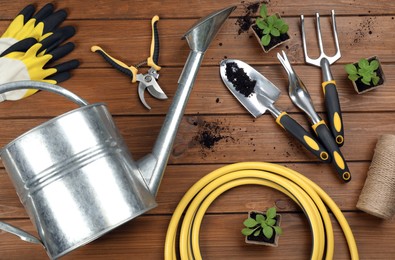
(74, 173)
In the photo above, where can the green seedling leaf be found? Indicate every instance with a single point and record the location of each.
(353, 77)
(263, 11)
(278, 23)
(260, 23)
(263, 224)
(271, 19)
(247, 231)
(351, 69)
(268, 232)
(275, 32)
(363, 63)
(284, 28)
(374, 65)
(270, 221)
(260, 218)
(266, 29)
(365, 81)
(250, 222)
(375, 80)
(271, 212)
(256, 233)
(265, 40)
(278, 230)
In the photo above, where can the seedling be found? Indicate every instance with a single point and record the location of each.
(365, 70)
(265, 224)
(270, 25)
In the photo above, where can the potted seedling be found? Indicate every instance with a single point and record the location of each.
(262, 228)
(270, 30)
(366, 74)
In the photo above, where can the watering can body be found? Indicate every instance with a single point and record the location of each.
(76, 178)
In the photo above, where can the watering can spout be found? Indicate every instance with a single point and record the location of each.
(199, 37)
(203, 31)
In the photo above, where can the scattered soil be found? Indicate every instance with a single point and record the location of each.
(240, 80)
(211, 133)
(365, 27)
(244, 22)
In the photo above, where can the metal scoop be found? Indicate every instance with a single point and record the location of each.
(301, 98)
(257, 94)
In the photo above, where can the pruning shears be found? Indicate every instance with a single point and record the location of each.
(148, 80)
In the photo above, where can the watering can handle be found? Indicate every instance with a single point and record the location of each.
(20, 233)
(29, 84)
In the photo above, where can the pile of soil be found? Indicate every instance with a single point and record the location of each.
(244, 22)
(211, 133)
(240, 80)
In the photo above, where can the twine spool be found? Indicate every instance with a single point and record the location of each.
(378, 194)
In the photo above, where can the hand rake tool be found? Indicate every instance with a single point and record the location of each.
(329, 85)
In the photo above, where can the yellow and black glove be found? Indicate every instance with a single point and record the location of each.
(28, 26)
(35, 64)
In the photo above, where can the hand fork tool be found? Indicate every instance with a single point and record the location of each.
(148, 80)
(329, 85)
(301, 98)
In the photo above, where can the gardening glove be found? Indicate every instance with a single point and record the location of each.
(35, 64)
(27, 25)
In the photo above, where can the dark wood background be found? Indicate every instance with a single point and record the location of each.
(365, 29)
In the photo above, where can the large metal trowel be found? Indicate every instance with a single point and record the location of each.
(257, 94)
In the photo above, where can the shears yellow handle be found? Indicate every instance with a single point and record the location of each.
(152, 60)
(131, 71)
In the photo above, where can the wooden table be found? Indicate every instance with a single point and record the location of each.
(365, 29)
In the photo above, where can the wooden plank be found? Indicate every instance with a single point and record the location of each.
(220, 238)
(179, 178)
(233, 138)
(140, 9)
(209, 95)
(128, 40)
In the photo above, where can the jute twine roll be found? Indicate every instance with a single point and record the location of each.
(378, 194)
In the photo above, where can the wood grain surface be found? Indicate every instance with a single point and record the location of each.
(365, 29)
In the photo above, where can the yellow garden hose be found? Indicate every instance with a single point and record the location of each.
(308, 195)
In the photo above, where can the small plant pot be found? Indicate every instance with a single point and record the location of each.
(261, 239)
(360, 87)
(274, 42)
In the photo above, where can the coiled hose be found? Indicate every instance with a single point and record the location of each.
(308, 195)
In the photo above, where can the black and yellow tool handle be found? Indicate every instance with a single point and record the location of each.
(333, 111)
(304, 137)
(338, 161)
(152, 60)
(130, 71)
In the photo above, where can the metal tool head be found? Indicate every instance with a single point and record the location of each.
(148, 81)
(258, 93)
(296, 89)
(318, 62)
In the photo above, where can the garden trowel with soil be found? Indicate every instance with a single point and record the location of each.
(257, 94)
